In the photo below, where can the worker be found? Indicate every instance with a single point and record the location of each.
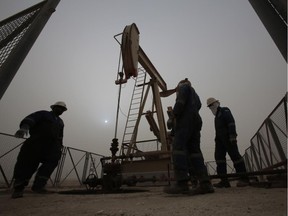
(186, 153)
(44, 146)
(226, 142)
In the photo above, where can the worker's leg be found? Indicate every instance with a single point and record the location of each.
(198, 165)
(26, 164)
(49, 163)
(221, 163)
(180, 163)
(238, 163)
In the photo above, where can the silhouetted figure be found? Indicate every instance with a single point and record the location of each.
(186, 152)
(44, 146)
(226, 142)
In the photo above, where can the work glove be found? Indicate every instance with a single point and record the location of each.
(170, 123)
(23, 131)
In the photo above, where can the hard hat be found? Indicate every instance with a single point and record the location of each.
(61, 104)
(210, 101)
(183, 82)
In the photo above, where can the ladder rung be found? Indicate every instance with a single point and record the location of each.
(135, 98)
(136, 103)
(137, 93)
(138, 87)
(132, 114)
(132, 120)
(132, 117)
(133, 109)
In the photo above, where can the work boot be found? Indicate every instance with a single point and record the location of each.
(178, 188)
(39, 184)
(243, 183)
(222, 184)
(202, 189)
(17, 193)
(18, 188)
(39, 190)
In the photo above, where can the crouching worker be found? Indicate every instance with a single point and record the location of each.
(44, 146)
(186, 153)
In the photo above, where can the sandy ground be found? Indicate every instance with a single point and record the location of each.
(251, 201)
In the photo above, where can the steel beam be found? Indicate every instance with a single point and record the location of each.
(151, 70)
(10, 67)
(269, 13)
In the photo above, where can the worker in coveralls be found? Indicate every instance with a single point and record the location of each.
(226, 141)
(43, 146)
(186, 153)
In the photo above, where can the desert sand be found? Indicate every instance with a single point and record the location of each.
(147, 201)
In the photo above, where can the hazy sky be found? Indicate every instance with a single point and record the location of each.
(221, 46)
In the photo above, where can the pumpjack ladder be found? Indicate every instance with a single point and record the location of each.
(134, 115)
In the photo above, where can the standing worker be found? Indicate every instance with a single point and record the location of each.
(226, 142)
(43, 146)
(186, 153)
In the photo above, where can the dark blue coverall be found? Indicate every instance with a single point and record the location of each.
(186, 155)
(43, 146)
(226, 142)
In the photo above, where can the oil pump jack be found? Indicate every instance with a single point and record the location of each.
(134, 164)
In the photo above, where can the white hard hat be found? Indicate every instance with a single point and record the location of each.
(210, 101)
(61, 104)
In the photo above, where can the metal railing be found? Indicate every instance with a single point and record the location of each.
(268, 149)
(268, 152)
(73, 168)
